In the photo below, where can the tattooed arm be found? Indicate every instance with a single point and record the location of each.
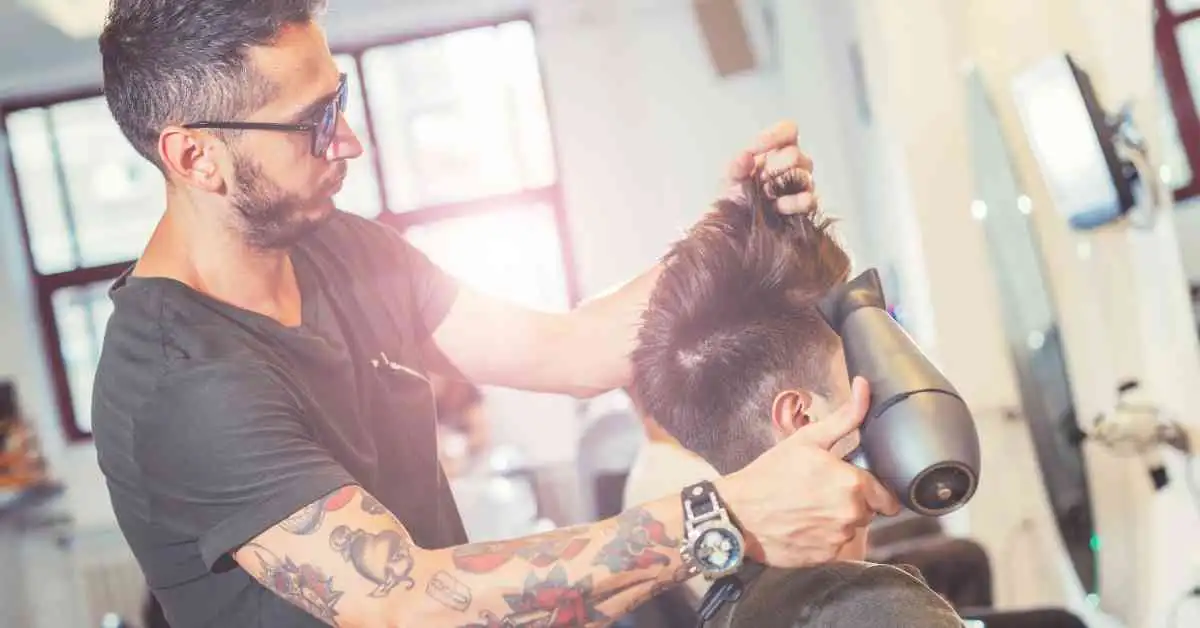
(346, 560)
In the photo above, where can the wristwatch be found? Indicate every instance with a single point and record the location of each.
(712, 544)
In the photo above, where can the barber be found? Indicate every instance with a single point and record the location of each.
(261, 408)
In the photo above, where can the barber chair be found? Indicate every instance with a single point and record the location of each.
(607, 449)
(957, 569)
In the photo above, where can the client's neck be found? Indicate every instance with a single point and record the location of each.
(723, 464)
(656, 434)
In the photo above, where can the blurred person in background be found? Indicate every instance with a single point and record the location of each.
(464, 431)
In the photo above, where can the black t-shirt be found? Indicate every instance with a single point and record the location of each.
(213, 423)
(835, 595)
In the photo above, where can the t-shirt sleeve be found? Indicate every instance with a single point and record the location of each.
(226, 455)
(433, 289)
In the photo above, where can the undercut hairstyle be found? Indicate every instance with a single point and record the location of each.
(184, 61)
(732, 321)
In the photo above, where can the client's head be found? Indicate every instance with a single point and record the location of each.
(732, 354)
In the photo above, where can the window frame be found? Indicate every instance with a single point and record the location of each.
(1179, 90)
(45, 285)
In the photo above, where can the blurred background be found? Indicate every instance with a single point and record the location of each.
(1022, 172)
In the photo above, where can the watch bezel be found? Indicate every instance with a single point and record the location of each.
(698, 532)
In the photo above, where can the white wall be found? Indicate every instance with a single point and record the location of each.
(1187, 224)
(645, 127)
(1120, 294)
(924, 181)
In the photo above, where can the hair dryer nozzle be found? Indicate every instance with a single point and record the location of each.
(865, 290)
(919, 437)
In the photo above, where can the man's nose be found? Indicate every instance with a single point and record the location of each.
(345, 144)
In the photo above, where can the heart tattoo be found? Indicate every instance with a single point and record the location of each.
(384, 558)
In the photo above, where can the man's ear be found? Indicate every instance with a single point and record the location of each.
(789, 412)
(192, 158)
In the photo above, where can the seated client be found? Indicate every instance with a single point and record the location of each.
(732, 357)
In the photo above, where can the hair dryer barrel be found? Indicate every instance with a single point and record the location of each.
(919, 437)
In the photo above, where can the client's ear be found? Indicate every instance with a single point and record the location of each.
(789, 412)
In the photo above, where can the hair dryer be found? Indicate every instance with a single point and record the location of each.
(918, 438)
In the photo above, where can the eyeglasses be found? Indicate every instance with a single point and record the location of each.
(322, 129)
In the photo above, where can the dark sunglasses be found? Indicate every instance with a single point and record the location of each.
(322, 129)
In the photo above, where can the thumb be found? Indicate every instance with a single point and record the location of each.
(833, 428)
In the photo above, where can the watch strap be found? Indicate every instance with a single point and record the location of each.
(698, 500)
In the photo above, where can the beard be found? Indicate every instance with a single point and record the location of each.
(270, 217)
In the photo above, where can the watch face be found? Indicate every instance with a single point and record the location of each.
(718, 549)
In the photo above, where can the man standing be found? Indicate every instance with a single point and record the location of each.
(261, 409)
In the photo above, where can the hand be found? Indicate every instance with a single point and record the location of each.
(798, 504)
(777, 150)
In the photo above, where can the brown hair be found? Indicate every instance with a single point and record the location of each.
(732, 321)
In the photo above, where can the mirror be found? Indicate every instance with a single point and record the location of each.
(1032, 332)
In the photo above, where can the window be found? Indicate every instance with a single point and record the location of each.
(81, 212)
(80, 314)
(360, 192)
(1177, 38)
(458, 153)
(465, 116)
(514, 253)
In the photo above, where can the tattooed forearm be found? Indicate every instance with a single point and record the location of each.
(384, 558)
(308, 520)
(680, 574)
(451, 593)
(305, 586)
(542, 550)
(552, 602)
(585, 576)
(638, 544)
